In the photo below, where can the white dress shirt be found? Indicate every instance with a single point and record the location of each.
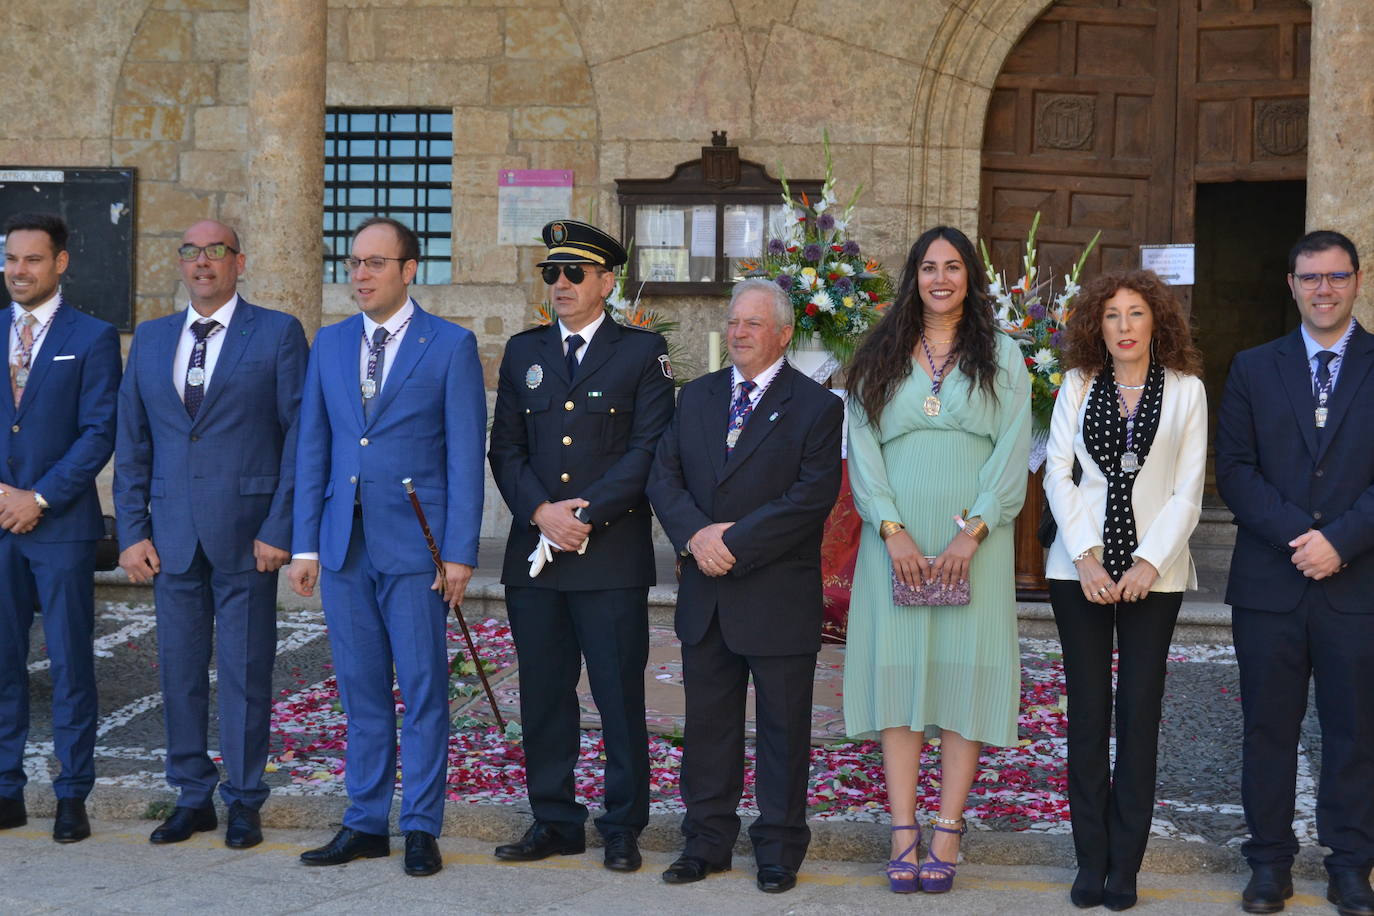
(396, 328)
(587, 334)
(762, 381)
(43, 314)
(213, 344)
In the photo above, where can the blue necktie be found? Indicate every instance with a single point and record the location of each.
(194, 395)
(1324, 358)
(574, 342)
(739, 413)
(375, 367)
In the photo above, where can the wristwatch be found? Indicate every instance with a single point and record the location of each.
(38, 498)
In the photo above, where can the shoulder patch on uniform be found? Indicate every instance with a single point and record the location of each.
(666, 365)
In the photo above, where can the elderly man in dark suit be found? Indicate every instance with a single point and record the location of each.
(580, 406)
(204, 472)
(743, 481)
(1294, 464)
(57, 429)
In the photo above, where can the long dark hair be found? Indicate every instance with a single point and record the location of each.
(883, 360)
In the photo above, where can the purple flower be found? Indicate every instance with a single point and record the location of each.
(844, 286)
(1036, 312)
(775, 246)
(851, 248)
(812, 252)
(784, 282)
(826, 222)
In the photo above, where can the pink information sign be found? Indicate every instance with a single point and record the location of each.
(529, 198)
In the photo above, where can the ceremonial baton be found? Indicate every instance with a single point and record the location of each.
(458, 611)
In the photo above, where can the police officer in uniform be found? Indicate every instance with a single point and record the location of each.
(580, 406)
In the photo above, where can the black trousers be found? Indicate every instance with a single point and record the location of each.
(1111, 814)
(1278, 654)
(553, 632)
(716, 681)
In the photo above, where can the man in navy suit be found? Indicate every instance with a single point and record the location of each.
(1295, 465)
(57, 429)
(391, 393)
(743, 481)
(204, 470)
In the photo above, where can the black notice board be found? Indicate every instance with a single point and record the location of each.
(98, 205)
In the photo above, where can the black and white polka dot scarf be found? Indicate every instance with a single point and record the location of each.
(1104, 434)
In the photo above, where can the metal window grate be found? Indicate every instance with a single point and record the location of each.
(389, 163)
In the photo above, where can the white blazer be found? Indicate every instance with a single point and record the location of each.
(1167, 498)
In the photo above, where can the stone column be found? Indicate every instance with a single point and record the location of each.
(1340, 150)
(284, 237)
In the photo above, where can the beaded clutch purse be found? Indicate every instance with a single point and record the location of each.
(929, 594)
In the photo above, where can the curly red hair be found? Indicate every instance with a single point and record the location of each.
(1171, 340)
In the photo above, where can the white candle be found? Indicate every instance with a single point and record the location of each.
(713, 351)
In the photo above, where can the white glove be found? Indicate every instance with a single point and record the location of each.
(543, 553)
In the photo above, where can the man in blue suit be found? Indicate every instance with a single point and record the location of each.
(204, 470)
(1295, 465)
(391, 393)
(57, 429)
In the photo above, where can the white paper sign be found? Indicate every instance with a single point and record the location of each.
(704, 232)
(659, 226)
(743, 231)
(1173, 263)
(529, 198)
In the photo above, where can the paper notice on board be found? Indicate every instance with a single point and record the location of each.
(704, 232)
(659, 227)
(529, 198)
(1173, 263)
(743, 231)
(663, 265)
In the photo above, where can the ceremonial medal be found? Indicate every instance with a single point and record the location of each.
(195, 376)
(21, 377)
(937, 377)
(932, 406)
(369, 387)
(1130, 462)
(534, 376)
(731, 438)
(1321, 415)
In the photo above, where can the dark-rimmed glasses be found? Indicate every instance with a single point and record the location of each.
(1339, 279)
(216, 252)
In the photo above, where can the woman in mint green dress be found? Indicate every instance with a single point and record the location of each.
(939, 435)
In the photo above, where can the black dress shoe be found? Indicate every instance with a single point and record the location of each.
(775, 879)
(348, 845)
(184, 822)
(1269, 887)
(13, 813)
(1119, 892)
(1087, 888)
(1351, 893)
(688, 869)
(540, 842)
(71, 825)
(622, 852)
(245, 827)
(422, 854)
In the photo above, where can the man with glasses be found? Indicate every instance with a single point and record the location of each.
(1295, 465)
(391, 393)
(204, 472)
(580, 406)
(57, 428)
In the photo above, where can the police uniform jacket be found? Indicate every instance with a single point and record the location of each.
(593, 438)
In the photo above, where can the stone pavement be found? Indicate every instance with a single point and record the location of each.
(117, 871)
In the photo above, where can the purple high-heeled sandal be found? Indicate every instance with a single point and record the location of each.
(897, 870)
(942, 879)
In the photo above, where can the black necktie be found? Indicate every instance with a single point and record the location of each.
(194, 392)
(1324, 358)
(574, 342)
(375, 365)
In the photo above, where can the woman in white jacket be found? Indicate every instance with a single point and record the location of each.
(1132, 415)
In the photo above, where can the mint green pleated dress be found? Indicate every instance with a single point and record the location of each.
(931, 668)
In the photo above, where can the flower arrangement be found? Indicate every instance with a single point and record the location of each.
(629, 312)
(836, 292)
(1034, 316)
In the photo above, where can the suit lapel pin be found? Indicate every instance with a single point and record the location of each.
(534, 376)
(773, 416)
(422, 340)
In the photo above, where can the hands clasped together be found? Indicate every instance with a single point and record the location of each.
(914, 569)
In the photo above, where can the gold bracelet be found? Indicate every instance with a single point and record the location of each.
(977, 529)
(888, 529)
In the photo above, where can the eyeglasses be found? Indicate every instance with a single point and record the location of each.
(1338, 280)
(215, 252)
(374, 263)
(575, 273)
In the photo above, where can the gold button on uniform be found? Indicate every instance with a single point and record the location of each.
(567, 440)
(567, 405)
(14, 428)
(565, 477)
(363, 441)
(612, 410)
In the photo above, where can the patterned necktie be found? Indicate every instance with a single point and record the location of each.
(374, 369)
(574, 342)
(19, 365)
(1324, 358)
(194, 392)
(739, 412)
